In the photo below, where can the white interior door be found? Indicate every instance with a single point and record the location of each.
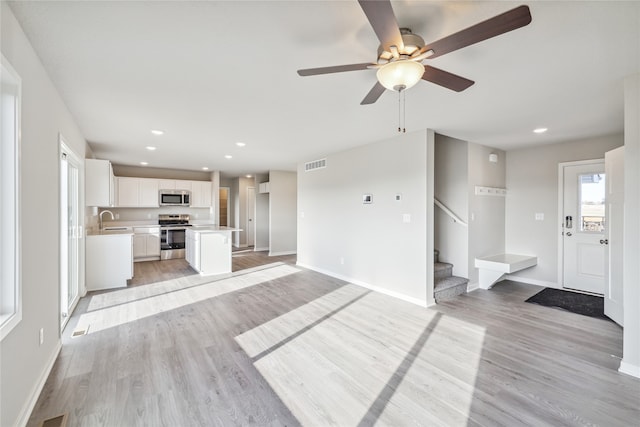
(583, 220)
(614, 234)
(251, 216)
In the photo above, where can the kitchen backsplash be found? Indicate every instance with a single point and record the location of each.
(142, 214)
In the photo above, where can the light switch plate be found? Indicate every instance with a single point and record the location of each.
(539, 216)
(406, 218)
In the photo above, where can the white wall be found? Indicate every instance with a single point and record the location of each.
(532, 179)
(486, 213)
(379, 250)
(631, 277)
(262, 215)
(282, 212)
(23, 363)
(450, 187)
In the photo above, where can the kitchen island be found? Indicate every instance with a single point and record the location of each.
(208, 249)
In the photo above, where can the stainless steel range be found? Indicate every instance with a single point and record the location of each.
(172, 235)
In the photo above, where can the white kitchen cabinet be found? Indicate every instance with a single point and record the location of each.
(99, 183)
(148, 193)
(137, 192)
(201, 194)
(166, 184)
(146, 243)
(109, 260)
(208, 250)
(263, 187)
(174, 184)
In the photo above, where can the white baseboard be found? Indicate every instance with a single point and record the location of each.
(282, 253)
(472, 286)
(37, 388)
(266, 248)
(532, 281)
(403, 297)
(629, 369)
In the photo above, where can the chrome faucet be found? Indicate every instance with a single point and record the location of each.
(105, 211)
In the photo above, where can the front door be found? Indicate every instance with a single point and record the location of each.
(583, 222)
(614, 235)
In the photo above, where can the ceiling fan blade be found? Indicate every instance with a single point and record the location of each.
(373, 94)
(383, 20)
(500, 24)
(335, 69)
(446, 79)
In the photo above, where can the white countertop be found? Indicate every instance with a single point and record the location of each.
(127, 230)
(211, 229)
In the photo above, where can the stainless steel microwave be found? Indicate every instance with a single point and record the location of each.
(174, 198)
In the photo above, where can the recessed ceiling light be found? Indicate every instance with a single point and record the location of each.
(240, 144)
(150, 148)
(204, 168)
(249, 176)
(540, 130)
(228, 156)
(144, 163)
(157, 132)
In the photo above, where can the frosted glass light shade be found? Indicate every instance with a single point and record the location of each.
(400, 75)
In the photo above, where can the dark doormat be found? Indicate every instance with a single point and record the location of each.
(587, 305)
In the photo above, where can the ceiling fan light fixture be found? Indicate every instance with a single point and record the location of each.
(400, 75)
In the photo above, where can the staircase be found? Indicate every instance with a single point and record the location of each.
(447, 286)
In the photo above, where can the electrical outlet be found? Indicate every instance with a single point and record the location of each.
(406, 218)
(341, 260)
(117, 216)
(41, 336)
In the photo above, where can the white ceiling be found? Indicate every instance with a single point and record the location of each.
(211, 74)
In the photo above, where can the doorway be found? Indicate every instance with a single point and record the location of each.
(251, 215)
(71, 232)
(223, 216)
(583, 222)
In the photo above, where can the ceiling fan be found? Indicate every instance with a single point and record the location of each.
(400, 54)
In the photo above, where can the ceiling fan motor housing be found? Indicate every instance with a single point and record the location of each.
(412, 43)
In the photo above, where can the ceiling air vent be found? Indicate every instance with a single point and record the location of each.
(316, 164)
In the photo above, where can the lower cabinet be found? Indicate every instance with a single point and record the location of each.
(109, 261)
(209, 252)
(146, 243)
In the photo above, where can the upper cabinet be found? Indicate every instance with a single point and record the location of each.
(200, 194)
(143, 192)
(263, 187)
(99, 183)
(137, 192)
(174, 184)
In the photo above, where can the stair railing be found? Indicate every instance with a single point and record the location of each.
(448, 211)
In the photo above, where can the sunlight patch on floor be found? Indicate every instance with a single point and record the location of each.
(353, 357)
(120, 314)
(126, 295)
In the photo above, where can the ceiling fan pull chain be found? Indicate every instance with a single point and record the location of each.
(404, 112)
(399, 112)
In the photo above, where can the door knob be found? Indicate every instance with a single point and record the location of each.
(568, 233)
(604, 241)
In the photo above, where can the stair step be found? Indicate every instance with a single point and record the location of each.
(449, 287)
(442, 270)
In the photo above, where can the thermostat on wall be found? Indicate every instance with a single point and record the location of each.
(367, 198)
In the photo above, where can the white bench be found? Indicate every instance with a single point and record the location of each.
(493, 268)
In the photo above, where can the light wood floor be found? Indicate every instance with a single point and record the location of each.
(279, 345)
